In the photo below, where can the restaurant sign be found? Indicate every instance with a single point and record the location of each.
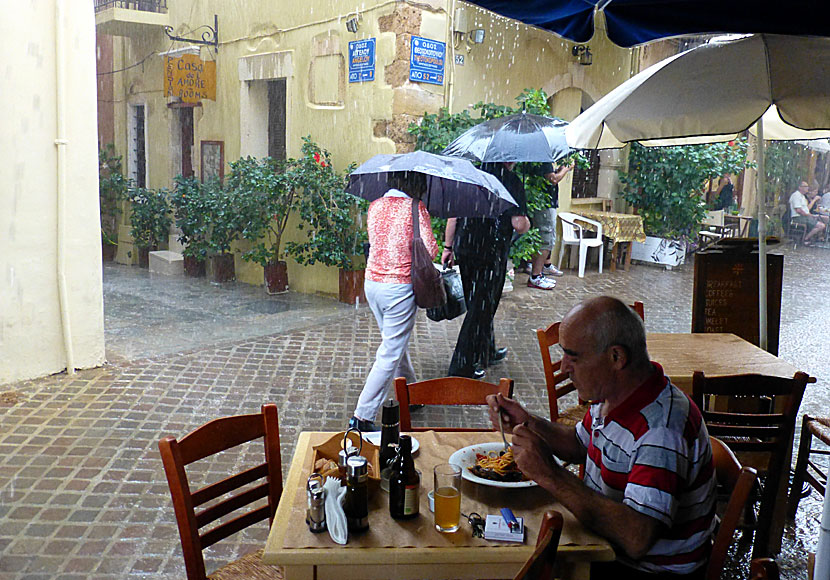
(189, 78)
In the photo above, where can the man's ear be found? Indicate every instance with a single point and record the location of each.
(619, 357)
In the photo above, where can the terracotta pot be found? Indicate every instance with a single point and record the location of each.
(276, 277)
(223, 268)
(351, 286)
(108, 252)
(194, 267)
(144, 257)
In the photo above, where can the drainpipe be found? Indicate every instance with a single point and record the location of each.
(61, 142)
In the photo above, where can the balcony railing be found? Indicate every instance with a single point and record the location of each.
(159, 6)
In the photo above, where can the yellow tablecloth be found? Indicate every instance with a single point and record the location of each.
(619, 227)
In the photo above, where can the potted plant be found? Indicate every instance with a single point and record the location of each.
(112, 190)
(665, 186)
(263, 201)
(192, 210)
(331, 218)
(222, 228)
(150, 220)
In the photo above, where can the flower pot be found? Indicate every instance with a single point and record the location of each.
(108, 252)
(351, 286)
(194, 267)
(276, 277)
(144, 257)
(222, 268)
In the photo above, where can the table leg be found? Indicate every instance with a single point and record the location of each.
(627, 256)
(614, 252)
(298, 573)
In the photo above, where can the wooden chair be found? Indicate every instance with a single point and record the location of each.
(540, 565)
(763, 569)
(807, 470)
(558, 383)
(445, 391)
(237, 491)
(761, 438)
(738, 482)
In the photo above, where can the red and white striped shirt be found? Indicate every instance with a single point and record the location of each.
(652, 453)
(390, 231)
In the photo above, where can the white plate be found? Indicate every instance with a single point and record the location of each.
(466, 457)
(373, 437)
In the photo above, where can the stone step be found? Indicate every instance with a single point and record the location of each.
(167, 263)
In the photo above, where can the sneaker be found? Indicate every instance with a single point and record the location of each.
(362, 425)
(551, 270)
(541, 283)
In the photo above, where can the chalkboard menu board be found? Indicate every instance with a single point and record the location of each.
(726, 292)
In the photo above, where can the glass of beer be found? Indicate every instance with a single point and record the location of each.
(447, 493)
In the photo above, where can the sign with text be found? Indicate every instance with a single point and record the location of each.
(362, 60)
(426, 61)
(189, 78)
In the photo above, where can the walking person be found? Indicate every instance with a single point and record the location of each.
(545, 221)
(388, 287)
(481, 246)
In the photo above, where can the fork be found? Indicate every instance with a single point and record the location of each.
(501, 428)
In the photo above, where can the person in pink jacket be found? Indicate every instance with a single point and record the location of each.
(388, 288)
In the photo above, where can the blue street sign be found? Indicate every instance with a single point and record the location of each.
(362, 60)
(426, 61)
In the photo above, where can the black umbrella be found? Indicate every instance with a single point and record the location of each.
(522, 137)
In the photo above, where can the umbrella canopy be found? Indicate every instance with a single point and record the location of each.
(713, 92)
(632, 22)
(455, 188)
(520, 137)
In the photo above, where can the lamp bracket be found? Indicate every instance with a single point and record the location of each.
(210, 37)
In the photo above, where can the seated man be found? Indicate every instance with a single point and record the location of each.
(649, 484)
(800, 213)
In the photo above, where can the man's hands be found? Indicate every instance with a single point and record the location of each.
(512, 412)
(447, 259)
(532, 454)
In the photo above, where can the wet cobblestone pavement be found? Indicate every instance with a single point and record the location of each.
(82, 490)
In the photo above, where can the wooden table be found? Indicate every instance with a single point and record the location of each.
(621, 229)
(428, 554)
(739, 222)
(722, 354)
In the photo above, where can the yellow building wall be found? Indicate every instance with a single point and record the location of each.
(49, 223)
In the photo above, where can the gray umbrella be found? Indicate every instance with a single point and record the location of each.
(455, 188)
(520, 137)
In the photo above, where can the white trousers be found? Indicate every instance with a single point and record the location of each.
(394, 308)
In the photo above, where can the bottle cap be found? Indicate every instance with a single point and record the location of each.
(357, 468)
(391, 414)
(405, 444)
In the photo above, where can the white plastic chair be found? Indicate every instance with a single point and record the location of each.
(573, 234)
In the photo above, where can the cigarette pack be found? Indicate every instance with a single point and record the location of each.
(495, 528)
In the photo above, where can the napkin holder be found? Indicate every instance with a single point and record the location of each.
(331, 449)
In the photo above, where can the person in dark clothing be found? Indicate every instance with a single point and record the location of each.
(480, 247)
(725, 195)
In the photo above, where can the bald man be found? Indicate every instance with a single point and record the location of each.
(649, 485)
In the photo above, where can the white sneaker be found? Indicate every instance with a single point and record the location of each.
(551, 270)
(541, 283)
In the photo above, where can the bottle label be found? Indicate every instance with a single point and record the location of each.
(411, 499)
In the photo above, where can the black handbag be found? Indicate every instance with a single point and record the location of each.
(426, 279)
(455, 305)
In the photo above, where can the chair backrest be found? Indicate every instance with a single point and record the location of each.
(540, 565)
(558, 383)
(738, 482)
(571, 232)
(762, 436)
(763, 569)
(445, 391)
(238, 491)
(713, 218)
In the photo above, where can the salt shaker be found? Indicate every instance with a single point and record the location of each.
(316, 510)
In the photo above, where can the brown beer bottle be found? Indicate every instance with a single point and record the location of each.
(404, 483)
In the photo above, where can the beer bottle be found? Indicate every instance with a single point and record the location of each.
(404, 483)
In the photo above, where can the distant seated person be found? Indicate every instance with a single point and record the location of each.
(725, 196)
(825, 200)
(814, 203)
(800, 214)
(649, 484)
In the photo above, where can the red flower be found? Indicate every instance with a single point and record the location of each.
(731, 143)
(321, 162)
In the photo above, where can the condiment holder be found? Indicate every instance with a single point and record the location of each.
(331, 448)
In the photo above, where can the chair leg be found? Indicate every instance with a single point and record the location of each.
(804, 447)
(601, 252)
(583, 255)
(561, 254)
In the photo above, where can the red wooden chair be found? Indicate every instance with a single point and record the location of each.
(541, 563)
(238, 491)
(445, 391)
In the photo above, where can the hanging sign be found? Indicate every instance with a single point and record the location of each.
(426, 61)
(189, 78)
(362, 60)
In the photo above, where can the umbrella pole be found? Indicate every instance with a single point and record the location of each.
(762, 239)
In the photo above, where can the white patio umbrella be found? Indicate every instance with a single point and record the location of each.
(779, 86)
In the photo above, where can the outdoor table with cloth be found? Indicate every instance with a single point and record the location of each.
(739, 222)
(722, 354)
(413, 548)
(620, 228)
